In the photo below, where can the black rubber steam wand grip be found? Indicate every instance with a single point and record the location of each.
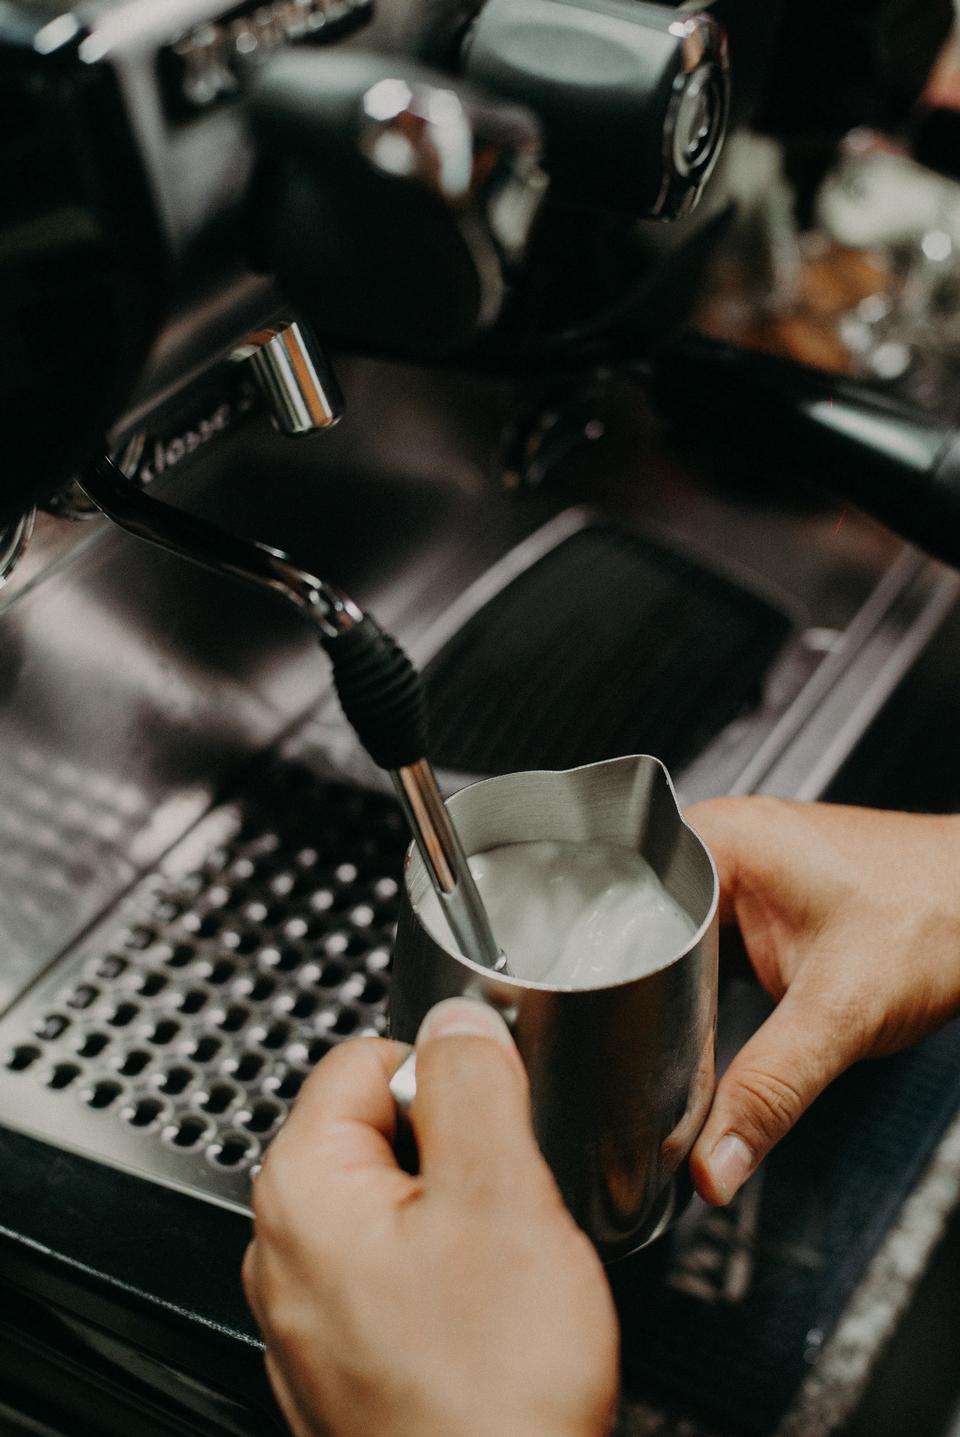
(382, 698)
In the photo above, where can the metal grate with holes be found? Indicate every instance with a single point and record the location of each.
(172, 1039)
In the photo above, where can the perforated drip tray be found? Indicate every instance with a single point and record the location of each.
(171, 1040)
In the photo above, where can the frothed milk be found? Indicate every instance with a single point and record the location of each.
(577, 915)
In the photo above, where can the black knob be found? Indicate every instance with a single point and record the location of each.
(390, 200)
(633, 97)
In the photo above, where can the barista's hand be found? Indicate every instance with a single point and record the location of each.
(851, 919)
(464, 1301)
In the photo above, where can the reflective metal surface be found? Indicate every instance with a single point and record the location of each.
(621, 1077)
(295, 377)
(443, 856)
(172, 1040)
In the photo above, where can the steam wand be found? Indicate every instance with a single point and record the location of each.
(378, 687)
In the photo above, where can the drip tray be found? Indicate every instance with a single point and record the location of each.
(607, 644)
(171, 1040)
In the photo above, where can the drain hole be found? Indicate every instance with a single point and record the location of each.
(234, 1018)
(346, 1021)
(92, 1045)
(218, 1098)
(221, 971)
(83, 995)
(317, 1049)
(303, 1006)
(111, 965)
(205, 1048)
(246, 1067)
(122, 1015)
(281, 960)
(134, 1062)
(22, 1057)
(289, 1085)
(257, 988)
(63, 1075)
(332, 975)
(273, 1036)
(150, 984)
(51, 1027)
(173, 1080)
(261, 1117)
(192, 1000)
(139, 938)
(188, 1132)
(163, 1032)
(180, 956)
(144, 1112)
(103, 1094)
(374, 991)
(232, 1150)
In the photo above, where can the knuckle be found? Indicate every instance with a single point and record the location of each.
(268, 1202)
(770, 1103)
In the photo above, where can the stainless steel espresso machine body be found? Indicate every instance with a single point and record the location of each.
(214, 221)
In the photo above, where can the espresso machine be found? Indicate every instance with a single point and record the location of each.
(303, 301)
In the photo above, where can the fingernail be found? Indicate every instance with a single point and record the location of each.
(730, 1164)
(463, 1017)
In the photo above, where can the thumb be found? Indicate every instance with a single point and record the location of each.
(788, 1062)
(471, 1113)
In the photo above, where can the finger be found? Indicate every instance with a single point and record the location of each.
(788, 1062)
(286, 1401)
(342, 1125)
(741, 836)
(718, 822)
(471, 1113)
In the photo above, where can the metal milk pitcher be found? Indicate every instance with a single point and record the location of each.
(621, 1076)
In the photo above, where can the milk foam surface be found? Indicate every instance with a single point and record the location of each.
(577, 915)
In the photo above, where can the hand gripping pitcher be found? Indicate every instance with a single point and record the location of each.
(622, 1073)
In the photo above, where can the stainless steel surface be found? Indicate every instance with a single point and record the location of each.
(171, 1040)
(443, 857)
(621, 1077)
(295, 377)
